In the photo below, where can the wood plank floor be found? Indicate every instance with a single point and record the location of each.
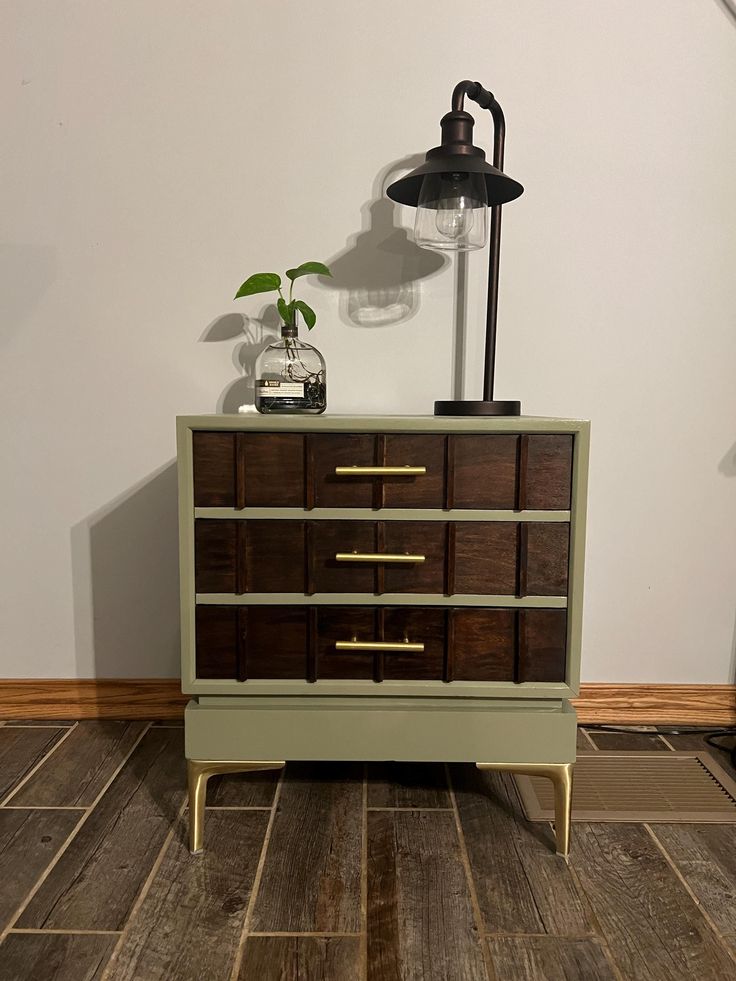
(337, 872)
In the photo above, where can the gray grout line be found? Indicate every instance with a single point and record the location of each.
(238, 959)
(706, 916)
(599, 935)
(465, 860)
(43, 807)
(41, 762)
(65, 933)
(62, 724)
(238, 807)
(441, 809)
(87, 811)
(291, 933)
(364, 877)
(144, 890)
(545, 936)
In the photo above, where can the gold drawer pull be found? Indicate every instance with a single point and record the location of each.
(378, 645)
(380, 471)
(377, 557)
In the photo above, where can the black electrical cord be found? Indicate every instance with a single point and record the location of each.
(711, 733)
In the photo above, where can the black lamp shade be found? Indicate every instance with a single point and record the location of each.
(499, 187)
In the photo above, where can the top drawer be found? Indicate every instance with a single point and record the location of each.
(395, 470)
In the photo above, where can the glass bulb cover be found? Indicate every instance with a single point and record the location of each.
(452, 212)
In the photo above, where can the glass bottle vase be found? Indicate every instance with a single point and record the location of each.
(291, 376)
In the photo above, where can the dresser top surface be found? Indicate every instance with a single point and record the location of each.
(376, 423)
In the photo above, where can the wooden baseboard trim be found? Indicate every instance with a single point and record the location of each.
(92, 698)
(657, 704)
(149, 698)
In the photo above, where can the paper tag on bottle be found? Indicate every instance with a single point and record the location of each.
(274, 389)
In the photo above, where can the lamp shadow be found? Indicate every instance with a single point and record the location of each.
(253, 334)
(729, 8)
(125, 578)
(379, 271)
(727, 466)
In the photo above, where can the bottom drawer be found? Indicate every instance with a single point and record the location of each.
(380, 643)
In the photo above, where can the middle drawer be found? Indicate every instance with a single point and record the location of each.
(504, 558)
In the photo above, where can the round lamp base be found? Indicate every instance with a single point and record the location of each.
(457, 407)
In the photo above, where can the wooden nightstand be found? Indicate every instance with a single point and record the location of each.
(381, 588)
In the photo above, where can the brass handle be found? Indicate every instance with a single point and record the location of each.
(378, 645)
(380, 471)
(377, 557)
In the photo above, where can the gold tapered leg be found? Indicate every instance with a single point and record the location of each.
(198, 773)
(562, 781)
(561, 776)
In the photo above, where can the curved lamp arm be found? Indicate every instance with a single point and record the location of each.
(485, 99)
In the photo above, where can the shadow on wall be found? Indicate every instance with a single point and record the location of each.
(729, 8)
(727, 465)
(252, 334)
(377, 276)
(379, 272)
(26, 273)
(125, 574)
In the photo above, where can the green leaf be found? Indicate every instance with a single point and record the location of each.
(259, 283)
(283, 308)
(308, 269)
(310, 317)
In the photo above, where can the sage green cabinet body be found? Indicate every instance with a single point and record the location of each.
(492, 603)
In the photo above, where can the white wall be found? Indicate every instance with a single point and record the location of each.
(155, 153)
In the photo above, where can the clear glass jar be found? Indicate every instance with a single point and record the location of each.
(291, 376)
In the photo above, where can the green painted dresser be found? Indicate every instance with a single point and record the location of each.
(381, 588)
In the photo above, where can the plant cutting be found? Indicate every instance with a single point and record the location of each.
(271, 283)
(291, 375)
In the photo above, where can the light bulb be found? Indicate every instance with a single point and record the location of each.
(454, 218)
(451, 211)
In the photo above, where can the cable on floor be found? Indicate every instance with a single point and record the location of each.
(711, 733)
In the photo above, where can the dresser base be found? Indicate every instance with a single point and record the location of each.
(535, 737)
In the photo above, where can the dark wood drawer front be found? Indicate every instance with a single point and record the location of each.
(483, 645)
(503, 558)
(329, 490)
(213, 460)
(274, 642)
(338, 625)
(216, 637)
(240, 470)
(542, 645)
(329, 452)
(498, 645)
(315, 643)
(510, 558)
(486, 557)
(425, 491)
(546, 464)
(393, 626)
(423, 626)
(484, 470)
(249, 556)
(241, 642)
(216, 556)
(544, 558)
(326, 573)
(329, 574)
